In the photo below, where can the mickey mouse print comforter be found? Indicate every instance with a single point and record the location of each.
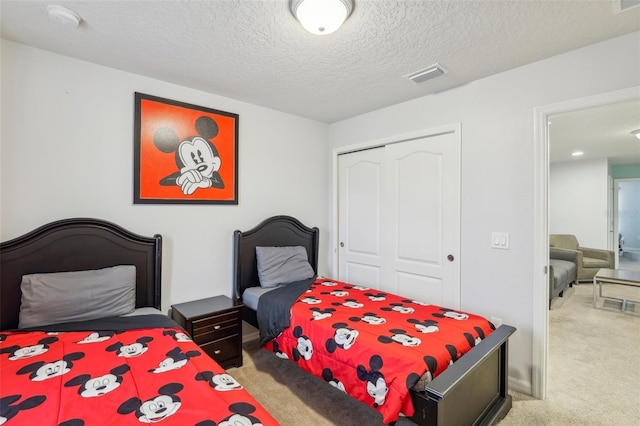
(373, 345)
(124, 377)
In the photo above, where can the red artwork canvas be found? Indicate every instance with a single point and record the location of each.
(184, 153)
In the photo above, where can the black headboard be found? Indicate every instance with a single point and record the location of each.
(74, 245)
(277, 231)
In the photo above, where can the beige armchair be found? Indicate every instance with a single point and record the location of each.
(588, 260)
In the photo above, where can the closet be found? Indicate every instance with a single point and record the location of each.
(399, 217)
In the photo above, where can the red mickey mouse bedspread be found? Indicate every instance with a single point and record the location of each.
(149, 375)
(374, 345)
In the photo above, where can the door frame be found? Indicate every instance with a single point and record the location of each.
(540, 330)
(615, 208)
(454, 128)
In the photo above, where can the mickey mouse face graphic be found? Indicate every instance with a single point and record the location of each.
(310, 300)
(343, 338)
(175, 359)
(242, 416)
(131, 350)
(400, 336)
(196, 157)
(376, 385)
(98, 386)
(178, 336)
(304, 348)
(320, 314)
(220, 382)
(29, 351)
(349, 303)
(40, 371)
(459, 316)
(157, 408)
(337, 293)
(398, 307)
(426, 326)
(376, 297)
(327, 375)
(361, 288)
(369, 318)
(96, 337)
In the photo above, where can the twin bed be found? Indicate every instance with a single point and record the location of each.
(82, 340)
(100, 366)
(435, 365)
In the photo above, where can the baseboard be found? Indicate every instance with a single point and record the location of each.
(520, 386)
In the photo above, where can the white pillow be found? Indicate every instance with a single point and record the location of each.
(77, 296)
(282, 265)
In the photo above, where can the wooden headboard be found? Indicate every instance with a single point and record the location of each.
(276, 231)
(74, 245)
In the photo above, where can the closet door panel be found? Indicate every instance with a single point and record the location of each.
(359, 211)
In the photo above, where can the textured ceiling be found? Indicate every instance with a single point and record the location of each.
(255, 51)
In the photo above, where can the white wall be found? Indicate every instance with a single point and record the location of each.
(67, 151)
(497, 119)
(578, 202)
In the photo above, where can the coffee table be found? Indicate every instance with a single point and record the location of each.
(615, 276)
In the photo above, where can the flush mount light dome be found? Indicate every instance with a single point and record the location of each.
(321, 17)
(636, 133)
(64, 16)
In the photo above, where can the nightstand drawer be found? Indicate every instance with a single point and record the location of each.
(215, 330)
(222, 349)
(213, 320)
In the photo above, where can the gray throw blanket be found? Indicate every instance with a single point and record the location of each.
(274, 308)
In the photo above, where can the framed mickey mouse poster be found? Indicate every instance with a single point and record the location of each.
(184, 153)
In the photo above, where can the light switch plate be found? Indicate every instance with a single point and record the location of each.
(500, 240)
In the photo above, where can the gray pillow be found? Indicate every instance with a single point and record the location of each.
(282, 265)
(77, 296)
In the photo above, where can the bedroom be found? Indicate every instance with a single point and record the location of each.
(66, 140)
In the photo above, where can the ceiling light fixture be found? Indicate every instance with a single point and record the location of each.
(321, 17)
(64, 16)
(636, 133)
(577, 153)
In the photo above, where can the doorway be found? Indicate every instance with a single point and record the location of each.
(626, 226)
(541, 228)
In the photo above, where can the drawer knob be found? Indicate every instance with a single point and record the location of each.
(217, 351)
(217, 327)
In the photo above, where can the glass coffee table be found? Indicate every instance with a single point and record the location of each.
(620, 277)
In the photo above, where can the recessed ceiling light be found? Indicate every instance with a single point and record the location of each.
(577, 153)
(636, 133)
(64, 16)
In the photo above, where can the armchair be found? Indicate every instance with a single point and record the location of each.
(588, 260)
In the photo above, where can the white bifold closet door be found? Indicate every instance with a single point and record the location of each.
(399, 218)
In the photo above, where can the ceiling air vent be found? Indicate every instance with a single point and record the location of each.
(428, 73)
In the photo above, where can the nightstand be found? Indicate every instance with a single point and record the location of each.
(214, 324)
